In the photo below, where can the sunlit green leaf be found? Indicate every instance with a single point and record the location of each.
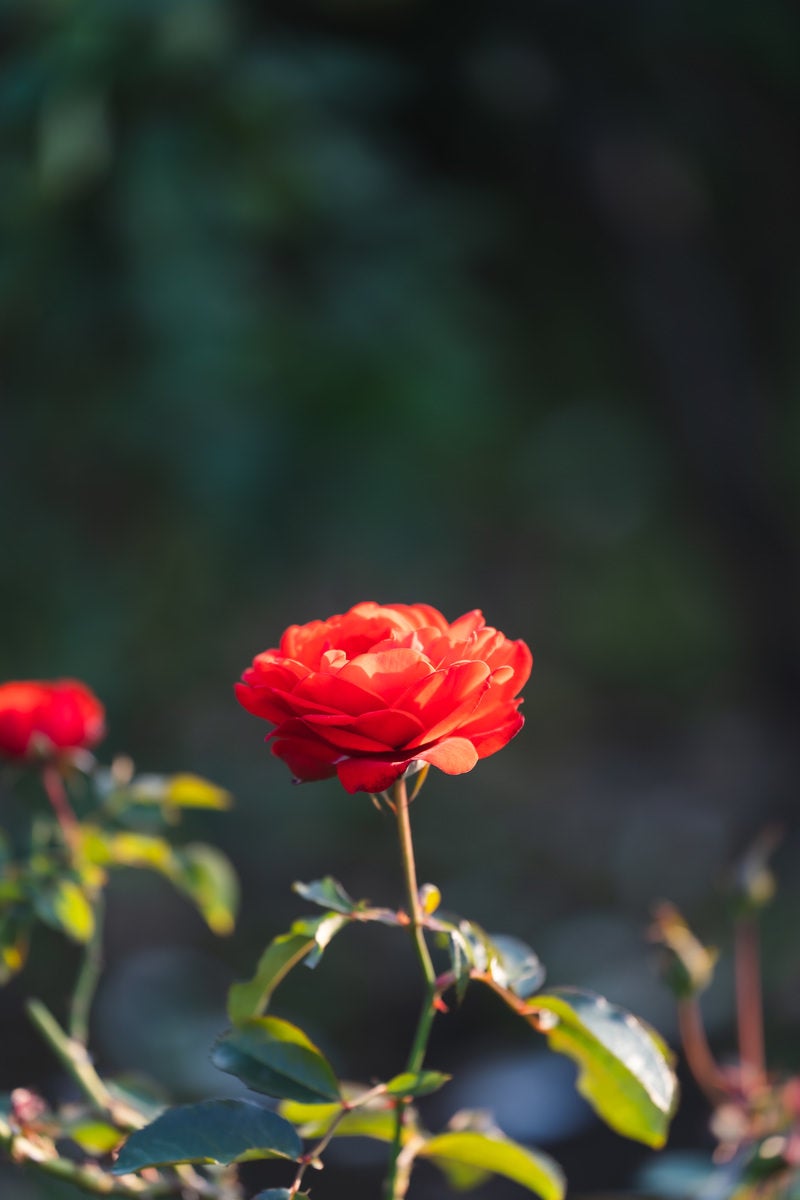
(314, 1120)
(15, 927)
(480, 1153)
(623, 1069)
(327, 893)
(753, 880)
(201, 872)
(177, 791)
(420, 1084)
(429, 898)
(126, 849)
(217, 1131)
(94, 1137)
(322, 929)
(63, 904)
(689, 966)
(207, 878)
(248, 1000)
(275, 1057)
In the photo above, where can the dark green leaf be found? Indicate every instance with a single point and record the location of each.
(473, 1154)
(248, 1000)
(421, 1084)
(216, 1131)
(327, 893)
(624, 1072)
(275, 1057)
(280, 1194)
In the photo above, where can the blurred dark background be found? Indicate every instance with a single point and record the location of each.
(482, 305)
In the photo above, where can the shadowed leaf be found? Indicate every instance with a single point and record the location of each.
(217, 1131)
(275, 1057)
(327, 893)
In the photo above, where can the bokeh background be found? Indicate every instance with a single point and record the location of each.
(312, 301)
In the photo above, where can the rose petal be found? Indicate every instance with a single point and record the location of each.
(369, 774)
(306, 760)
(454, 756)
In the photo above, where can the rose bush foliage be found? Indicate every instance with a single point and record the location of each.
(365, 694)
(39, 717)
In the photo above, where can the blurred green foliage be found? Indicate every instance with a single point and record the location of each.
(321, 300)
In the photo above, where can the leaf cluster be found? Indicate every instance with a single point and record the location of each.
(625, 1071)
(126, 822)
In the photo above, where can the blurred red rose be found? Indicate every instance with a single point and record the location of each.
(39, 717)
(365, 694)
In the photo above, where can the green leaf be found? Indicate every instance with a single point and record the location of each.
(314, 1121)
(192, 791)
(515, 966)
(214, 1131)
(15, 927)
(65, 906)
(479, 1153)
(278, 1194)
(275, 1057)
(248, 1000)
(327, 893)
(623, 1069)
(322, 929)
(206, 876)
(94, 1137)
(126, 849)
(689, 965)
(420, 1084)
(307, 939)
(201, 872)
(173, 791)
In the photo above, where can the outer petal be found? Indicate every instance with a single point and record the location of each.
(489, 741)
(370, 774)
(454, 756)
(306, 760)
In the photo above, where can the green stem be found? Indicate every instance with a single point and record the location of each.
(88, 979)
(73, 1056)
(40, 1154)
(317, 1151)
(396, 1180)
(32, 1152)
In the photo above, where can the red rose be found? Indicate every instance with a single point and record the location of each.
(37, 715)
(365, 694)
